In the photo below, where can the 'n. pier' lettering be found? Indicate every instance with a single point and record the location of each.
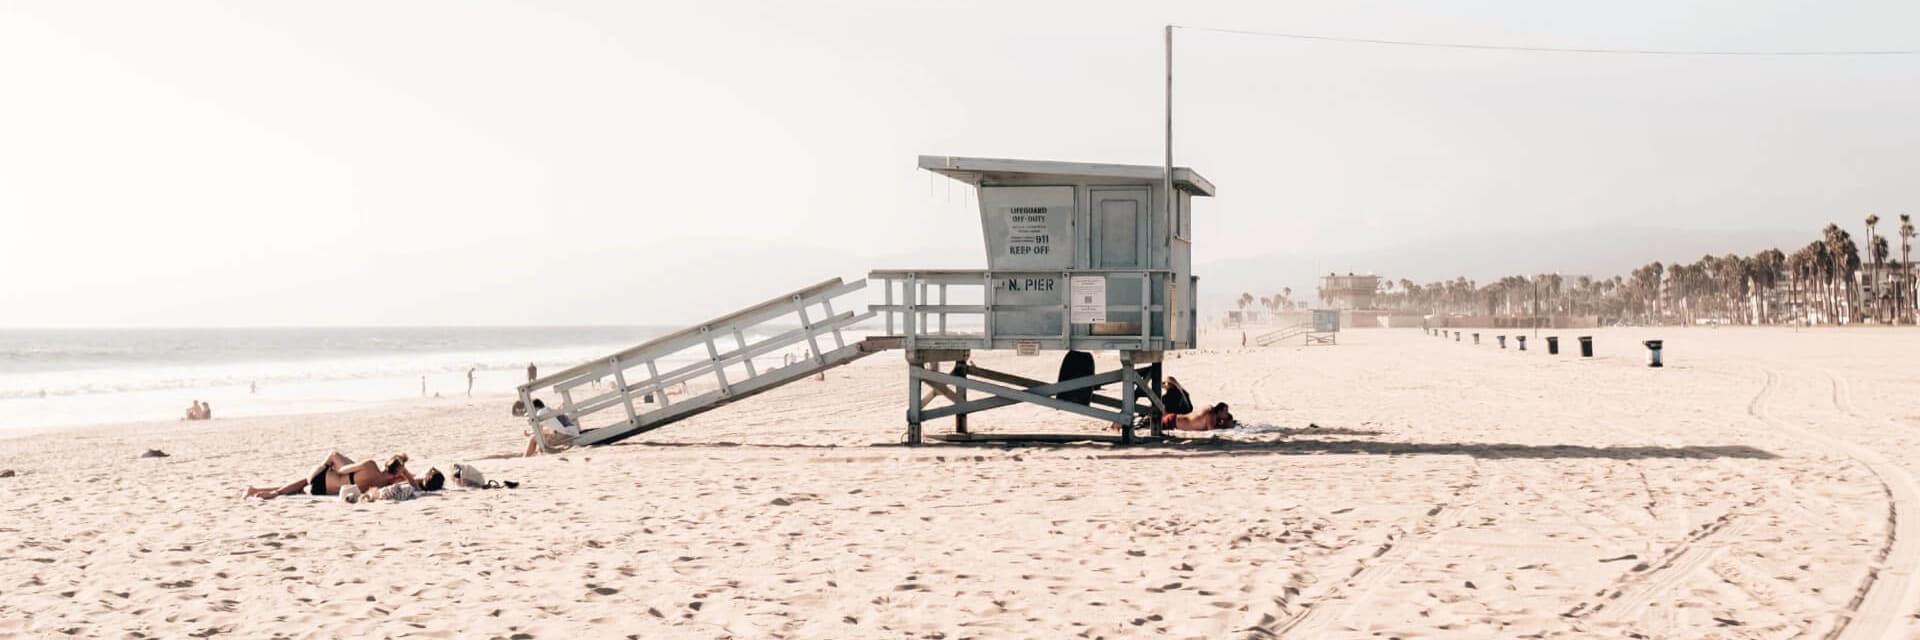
(1029, 284)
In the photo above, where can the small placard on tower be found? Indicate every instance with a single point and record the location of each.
(1088, 299)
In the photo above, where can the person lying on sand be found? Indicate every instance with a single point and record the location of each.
(1214, 417)
(340, 471)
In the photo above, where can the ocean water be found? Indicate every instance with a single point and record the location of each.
(52, 378)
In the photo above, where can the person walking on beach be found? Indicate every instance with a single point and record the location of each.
(469, 382)
(532, 372)
(423, 386)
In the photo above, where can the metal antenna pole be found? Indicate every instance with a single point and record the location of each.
(1172, 217)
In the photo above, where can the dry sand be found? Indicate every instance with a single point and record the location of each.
(1762, 485)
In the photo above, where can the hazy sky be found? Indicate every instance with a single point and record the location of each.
(186, 163)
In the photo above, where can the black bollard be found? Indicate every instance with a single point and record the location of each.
(1476, 338)
(1523, 342)
(1503, 341)
(1553, 345)
(1456, 336)
(1653, 353)
(1586, 346)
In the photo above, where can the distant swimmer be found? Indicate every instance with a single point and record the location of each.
(197, 411)
(253, 387)
(206, 411)
(423, 386)
(532, 372)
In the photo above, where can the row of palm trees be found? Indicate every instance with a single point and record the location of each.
(1824, 282)
(1277, 302)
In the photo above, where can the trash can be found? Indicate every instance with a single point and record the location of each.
(1553, 345)
(1503, 341)
(1586, 346)
(1476, 338)
(1653, 353)
(1523, 342)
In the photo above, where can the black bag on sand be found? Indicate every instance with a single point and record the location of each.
(1077, 364)
(1175, 397)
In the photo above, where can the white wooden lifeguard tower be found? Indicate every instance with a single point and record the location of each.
(1081, 258)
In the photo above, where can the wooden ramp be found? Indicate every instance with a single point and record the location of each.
(634, 391)
(1276, 336)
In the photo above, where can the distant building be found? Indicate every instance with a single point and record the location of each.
(1348, 292)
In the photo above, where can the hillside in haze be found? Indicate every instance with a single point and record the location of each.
(1599, 251)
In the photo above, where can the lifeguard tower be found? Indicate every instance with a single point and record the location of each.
(1081, 258)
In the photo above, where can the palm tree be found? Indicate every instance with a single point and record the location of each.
(1873, 286)
(1763, 271)
(1877, 250)
(1730, 274)
(1819, 266)
(1844, 261)
(1906, 266)
(1583, 293)
(1799, 268)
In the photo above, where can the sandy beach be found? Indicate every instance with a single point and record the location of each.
(1396, 485)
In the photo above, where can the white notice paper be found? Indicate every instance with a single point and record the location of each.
(1088, 299)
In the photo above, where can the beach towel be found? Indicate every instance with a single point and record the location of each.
(396, 491)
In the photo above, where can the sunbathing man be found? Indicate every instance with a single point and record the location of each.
(340, 471)
(1214, 417)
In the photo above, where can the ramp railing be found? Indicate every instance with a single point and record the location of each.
(917, 308)
(1289, 331)
(702, 367)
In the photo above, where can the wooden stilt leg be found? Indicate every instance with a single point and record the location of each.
(1127, 386)
(1159, 391)
(913, 403)
(960, 420)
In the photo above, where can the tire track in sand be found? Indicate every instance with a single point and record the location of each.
(1880, 606)
(1388, 559)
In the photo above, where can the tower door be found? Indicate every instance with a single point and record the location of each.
(1119, 228)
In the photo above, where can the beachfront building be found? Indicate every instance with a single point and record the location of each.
(1349, 292)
